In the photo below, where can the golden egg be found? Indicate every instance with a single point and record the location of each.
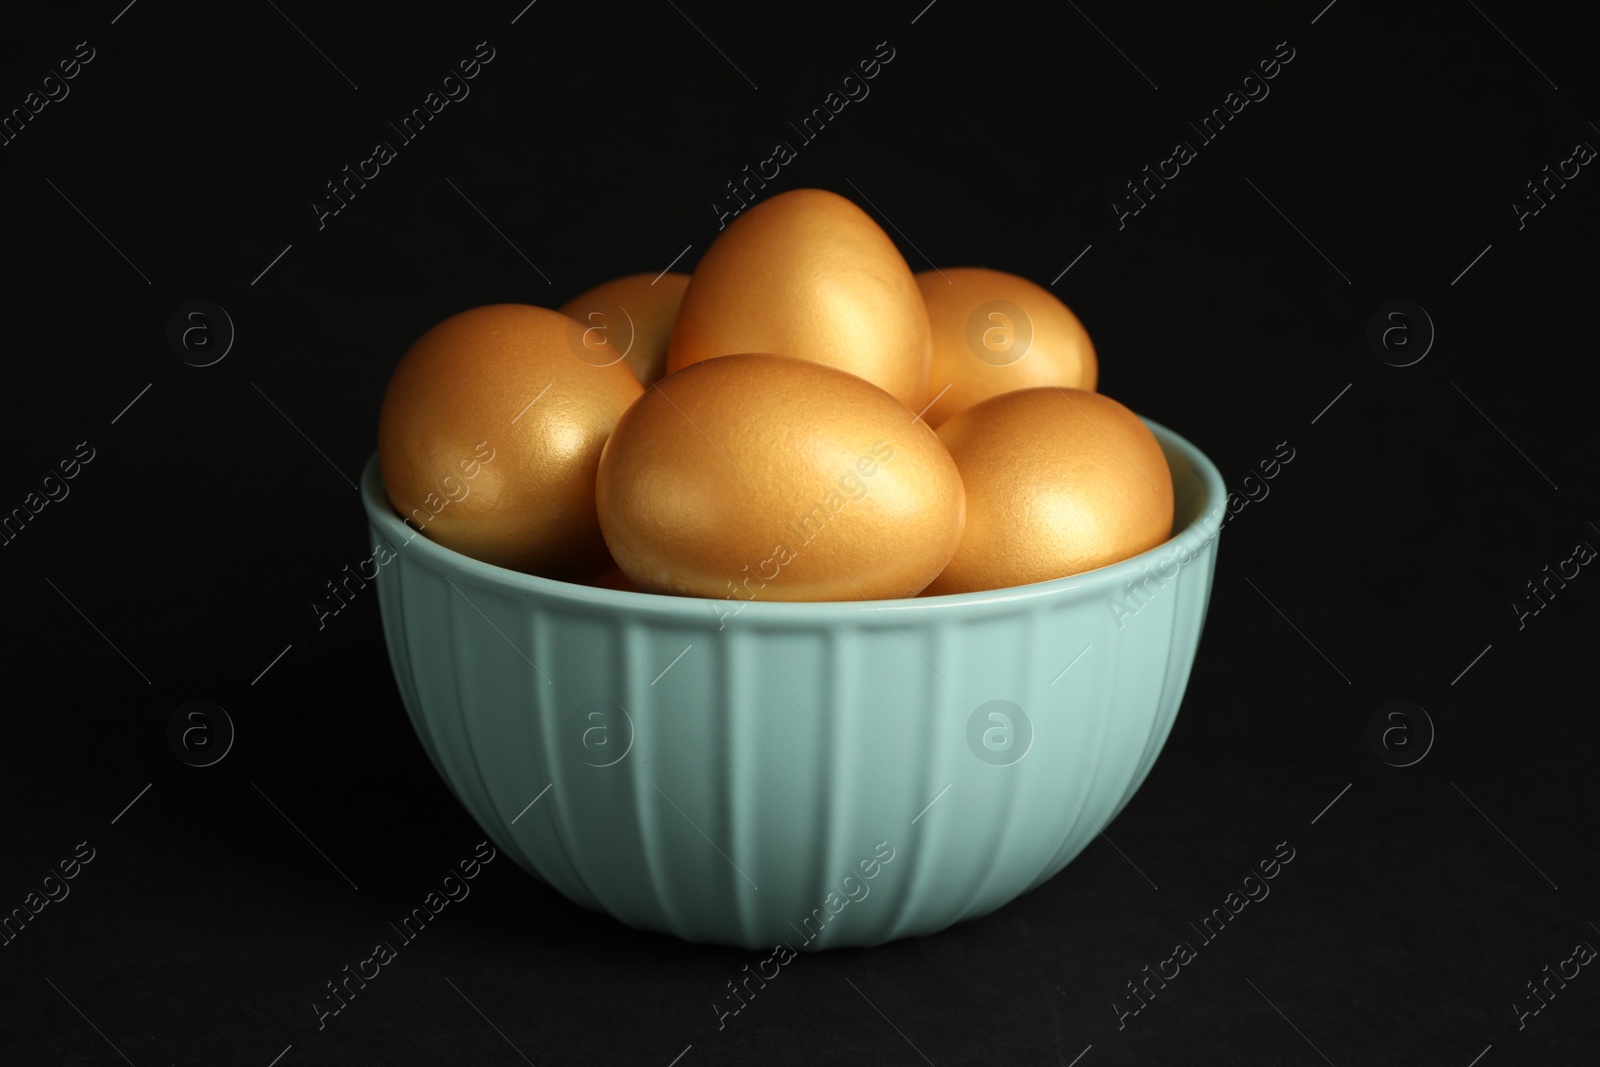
(995, 332)
(808, 274)
(764, 477)
(631, 319)
(490, 433)
(1058, 481)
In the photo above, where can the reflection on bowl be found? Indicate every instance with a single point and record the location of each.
(815, 774)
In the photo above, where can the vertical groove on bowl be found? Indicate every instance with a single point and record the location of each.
(562, 835)
(1080, 830)
(1190, 603)
(821, 805)
(431, 597)
(1012, 779)
(1079, 833)
(940, 720)
(1084, 830)
(1212, 550)
(893, 911)
(1054, 718)
(466, 667)
(743, 731)
(396, 633)
(403, 606)
(703, 776)
(842, 822)
(646, 807)
(1153, 726)
(1166, 704)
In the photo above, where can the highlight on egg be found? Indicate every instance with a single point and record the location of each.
(1058, 481)
(995, 332)
(809, 274)
(490, 435)
(629, 318)
(766, 477)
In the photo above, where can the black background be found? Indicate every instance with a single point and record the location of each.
(189, 550)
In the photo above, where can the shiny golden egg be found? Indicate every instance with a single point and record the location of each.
(631, 319)
(1057, 481)
(490, 434)
(808, 274)
(766, 477)
(993, 333)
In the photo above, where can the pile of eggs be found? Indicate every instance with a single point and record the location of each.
(801, 419)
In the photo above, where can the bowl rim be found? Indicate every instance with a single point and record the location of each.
(383, 520)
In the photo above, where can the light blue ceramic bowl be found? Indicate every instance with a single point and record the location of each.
(819, 775)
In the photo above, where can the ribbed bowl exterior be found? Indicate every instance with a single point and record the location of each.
(818, 775)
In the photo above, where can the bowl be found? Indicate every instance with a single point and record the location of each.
(814, 775)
